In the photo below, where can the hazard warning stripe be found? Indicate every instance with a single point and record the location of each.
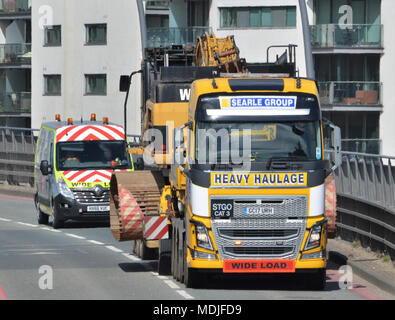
(89, 132)
(155, 228)
(88, 175)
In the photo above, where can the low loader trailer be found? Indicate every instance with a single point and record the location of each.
(238, 176)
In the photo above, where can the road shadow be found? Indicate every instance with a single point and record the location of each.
(139, 266)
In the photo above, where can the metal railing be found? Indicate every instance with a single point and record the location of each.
(15, 53)
(351, 36)
(164, 37)
(16, 102)
(17, 148)
(366, 201)
(352, 93)
(367, 177)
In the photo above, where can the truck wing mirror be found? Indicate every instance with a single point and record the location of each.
(333, 144)
(124, 83)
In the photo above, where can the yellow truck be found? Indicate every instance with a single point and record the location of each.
(239, 185)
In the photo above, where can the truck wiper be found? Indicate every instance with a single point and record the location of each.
(281, 163)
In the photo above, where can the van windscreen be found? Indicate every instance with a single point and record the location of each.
(85, 155)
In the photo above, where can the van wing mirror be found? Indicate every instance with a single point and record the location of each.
(45, 167)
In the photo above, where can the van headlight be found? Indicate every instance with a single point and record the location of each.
(64, 189)
(314, 239)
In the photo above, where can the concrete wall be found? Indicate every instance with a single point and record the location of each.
(387, 70)
(74, 59)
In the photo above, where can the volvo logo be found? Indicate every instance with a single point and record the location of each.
(98, 190)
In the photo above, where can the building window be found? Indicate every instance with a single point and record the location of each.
(258, 17)
(52, 85)
(53, 36)
(96, 84)
(96, 34)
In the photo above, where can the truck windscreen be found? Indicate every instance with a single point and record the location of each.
(222, 142)
(85, 155)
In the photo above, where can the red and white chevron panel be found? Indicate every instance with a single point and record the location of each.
(155, 228)
(90, 132)
(88, 175)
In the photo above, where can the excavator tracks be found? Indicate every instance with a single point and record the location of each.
(133, 195)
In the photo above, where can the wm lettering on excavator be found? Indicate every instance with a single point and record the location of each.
(275, 266)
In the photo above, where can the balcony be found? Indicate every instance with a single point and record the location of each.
(356, 36)
(15, 7)
(15, 102)
(15, 54)
(165, 37)
(371, 146)
(351, 94)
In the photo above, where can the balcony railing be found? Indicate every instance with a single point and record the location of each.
(164, 37)
(351, 93)
(15, 102)
(15, 53)
(347, 36)
(14, 6)
(154, 5)
(371, 146)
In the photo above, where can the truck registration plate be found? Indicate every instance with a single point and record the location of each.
(258, 210)
(98, 208)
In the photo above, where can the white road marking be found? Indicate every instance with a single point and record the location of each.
(96, 242)
(75, 236)
(114, 249)
(131, 257)
(171, 284)
(5, 220)
(27, 224)
(185, 294)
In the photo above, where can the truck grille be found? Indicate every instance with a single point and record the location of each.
(89, 196)
(258, 251)
(257, 233)
(276, 233)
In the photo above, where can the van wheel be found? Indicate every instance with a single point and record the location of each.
(42, 218)
(56, 222)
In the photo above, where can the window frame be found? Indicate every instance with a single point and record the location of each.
(86, 77)
(47, 77)
(52, 27)
(225, 13)
(87, 38)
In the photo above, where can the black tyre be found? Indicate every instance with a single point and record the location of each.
(192, 279)
(42, 218)
(57, 223)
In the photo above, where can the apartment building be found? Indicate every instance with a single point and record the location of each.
(80, 49)
(354, 60)
(78, 57)
(15, 63)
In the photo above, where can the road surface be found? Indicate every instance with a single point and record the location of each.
(83, 261)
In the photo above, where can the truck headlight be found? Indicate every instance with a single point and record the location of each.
(64, 189)
(314, 239)
(202, 237)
